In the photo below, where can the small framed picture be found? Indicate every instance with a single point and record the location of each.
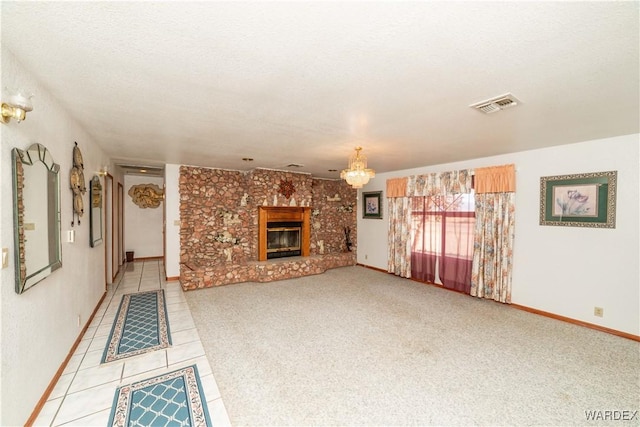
(581, 200)
(372, 205)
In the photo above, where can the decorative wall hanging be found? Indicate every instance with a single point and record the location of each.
(372, 205)
(76, 181)
(146, 195)
(286, 188)
(581, 200)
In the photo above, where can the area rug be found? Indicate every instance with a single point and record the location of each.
(140, 326)
(172, 399)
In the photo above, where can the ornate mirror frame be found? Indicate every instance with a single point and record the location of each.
(36, 212)
(95, 212)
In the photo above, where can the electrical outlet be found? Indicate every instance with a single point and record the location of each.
(598, 311)
(366, 256)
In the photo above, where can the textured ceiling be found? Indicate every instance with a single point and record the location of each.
(209, 83)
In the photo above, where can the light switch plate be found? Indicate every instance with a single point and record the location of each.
(5, 257)
(71, 236)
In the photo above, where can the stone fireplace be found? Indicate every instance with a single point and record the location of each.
(234, 226)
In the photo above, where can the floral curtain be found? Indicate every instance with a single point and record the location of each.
(399, 257)
(494, 233)
(440, 184)
(399, 193)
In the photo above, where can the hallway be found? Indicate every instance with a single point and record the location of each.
(84, 394)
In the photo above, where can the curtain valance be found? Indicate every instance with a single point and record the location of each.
(397, 187)
(439, 184)
(495, 179)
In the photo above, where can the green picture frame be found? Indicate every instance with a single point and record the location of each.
(579, 200)
(372, 204)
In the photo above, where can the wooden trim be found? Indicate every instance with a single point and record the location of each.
(373, 268)
(172, 278)
(120, 230)
(577, 322)
(532, 310)
(58, 374)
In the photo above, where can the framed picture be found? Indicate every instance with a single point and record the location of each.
(581, 200)
(372, 205)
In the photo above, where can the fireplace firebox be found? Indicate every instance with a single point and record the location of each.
(283, 239)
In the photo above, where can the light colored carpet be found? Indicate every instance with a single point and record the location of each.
(355, 346)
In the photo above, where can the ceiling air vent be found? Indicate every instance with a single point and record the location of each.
(496, 104)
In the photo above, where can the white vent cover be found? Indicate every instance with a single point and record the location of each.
(498, 103)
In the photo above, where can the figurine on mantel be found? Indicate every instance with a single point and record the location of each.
(347, 238)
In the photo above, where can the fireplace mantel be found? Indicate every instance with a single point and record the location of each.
(269, 214)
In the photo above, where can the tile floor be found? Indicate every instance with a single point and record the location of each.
(84, 393)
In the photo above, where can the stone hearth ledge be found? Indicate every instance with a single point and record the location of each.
(197, 277)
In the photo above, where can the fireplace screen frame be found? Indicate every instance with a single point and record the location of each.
(279, 247)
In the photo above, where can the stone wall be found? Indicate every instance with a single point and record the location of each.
(333, 211)
(215, 220)
(219, 224)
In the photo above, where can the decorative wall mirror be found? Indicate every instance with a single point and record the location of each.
(95, 214)
(36, 207)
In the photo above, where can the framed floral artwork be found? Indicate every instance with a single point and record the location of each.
(372, 205)
(580, 200)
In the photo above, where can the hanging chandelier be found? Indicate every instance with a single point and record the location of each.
(357, 175)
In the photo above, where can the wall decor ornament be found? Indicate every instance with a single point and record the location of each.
(286, 188)
(146, 195)
(579, 200)
(77, 184)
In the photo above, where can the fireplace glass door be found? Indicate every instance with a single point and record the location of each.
(283, 240)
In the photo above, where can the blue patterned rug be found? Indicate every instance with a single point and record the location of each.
(140, 326)
(172, 399)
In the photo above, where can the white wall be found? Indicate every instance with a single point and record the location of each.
(39, 327)
(562, 270)
(172, 232)
(142, 226)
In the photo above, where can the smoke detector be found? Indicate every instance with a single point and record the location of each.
(496, 104)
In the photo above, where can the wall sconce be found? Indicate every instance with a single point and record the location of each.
(103, 171)
(16, 108)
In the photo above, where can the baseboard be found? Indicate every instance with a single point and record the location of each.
(58, 374)
(535, 311)
(577, 322)
(148, 258)
(372, 268)
(172, 279)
